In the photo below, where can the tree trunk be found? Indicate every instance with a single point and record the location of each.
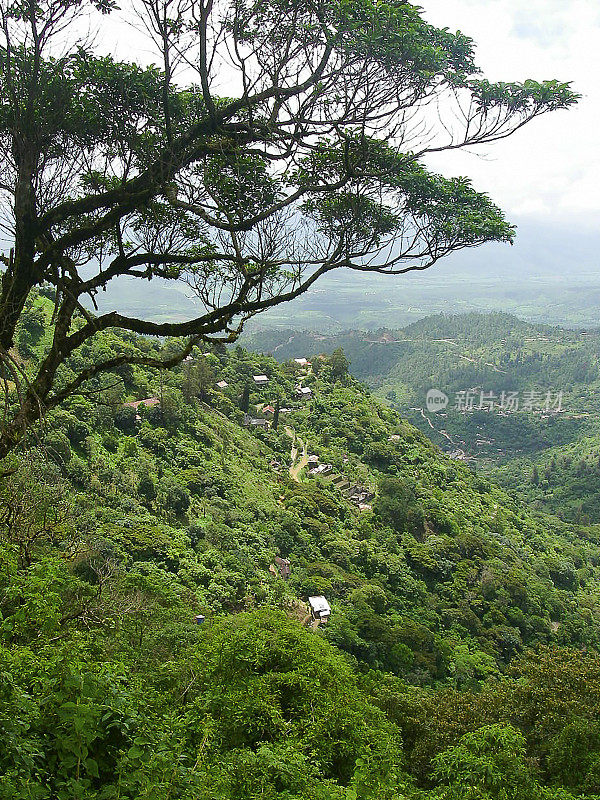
(21, 274)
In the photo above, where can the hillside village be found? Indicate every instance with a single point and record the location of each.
(334, 520)
(265, 416)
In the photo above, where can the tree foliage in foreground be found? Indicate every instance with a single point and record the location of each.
(311, 161)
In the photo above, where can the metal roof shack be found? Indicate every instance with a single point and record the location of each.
(319, 608)
(222, 384)
(303, 391)
(302, 362)
(254, 422)
(260, 380)
(322, 469)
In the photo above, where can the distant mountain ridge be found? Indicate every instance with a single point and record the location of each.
(471, 329)
(488, 355)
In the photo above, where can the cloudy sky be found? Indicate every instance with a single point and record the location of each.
(550, 170)
(546, 176)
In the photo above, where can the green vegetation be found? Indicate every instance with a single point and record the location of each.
(562, 480)
(549, 460)
(115, 173)
(456, 612)
(163, 533)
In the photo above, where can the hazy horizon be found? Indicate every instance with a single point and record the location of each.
(549, 275)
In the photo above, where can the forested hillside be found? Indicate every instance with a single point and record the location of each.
(562, 480)
(455, 613)
(473, 358)
(229, 575)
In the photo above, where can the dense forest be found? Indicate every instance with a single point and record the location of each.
(456, 612)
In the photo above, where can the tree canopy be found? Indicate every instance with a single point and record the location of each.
(460, 660)
(269, 143)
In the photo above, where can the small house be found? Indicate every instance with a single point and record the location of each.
(302, 362)
(313, 459)
(254, 422)
(149, 402)
(319, 608)
(284, 566)
(322, 469)
(199, 619)
(268, 411)
(222, 384)
(305, 392)
(260, 380)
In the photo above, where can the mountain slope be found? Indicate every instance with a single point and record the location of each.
(470, 357)
(190, 491)
(135, 519)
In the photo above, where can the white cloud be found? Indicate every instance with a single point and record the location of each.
(550, 168)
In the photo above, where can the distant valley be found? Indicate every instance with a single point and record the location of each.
(519, 395)
(551, 275)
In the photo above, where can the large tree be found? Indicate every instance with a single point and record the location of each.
(271, 142)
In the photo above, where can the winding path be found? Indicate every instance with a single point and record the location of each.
(297, 444)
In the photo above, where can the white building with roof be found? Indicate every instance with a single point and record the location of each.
(319, 608)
